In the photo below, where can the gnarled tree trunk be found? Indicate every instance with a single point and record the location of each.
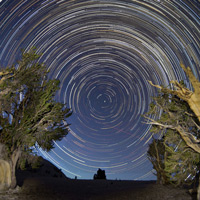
(5, 170)
(13, 163)
(5, 175)
(8, 168)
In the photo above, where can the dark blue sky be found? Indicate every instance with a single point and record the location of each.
(104, 52)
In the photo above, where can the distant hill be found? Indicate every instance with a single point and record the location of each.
(44, 169)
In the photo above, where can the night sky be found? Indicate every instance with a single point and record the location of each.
(104, 52)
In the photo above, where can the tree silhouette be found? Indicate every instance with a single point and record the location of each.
(100, 174)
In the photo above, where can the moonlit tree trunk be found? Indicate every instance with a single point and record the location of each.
(5, 175)
(13, 163)
(8, 168)
(5, 170)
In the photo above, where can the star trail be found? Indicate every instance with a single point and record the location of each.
(104, 52)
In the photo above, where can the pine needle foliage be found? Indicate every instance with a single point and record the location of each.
(179, 163)
(28, 110)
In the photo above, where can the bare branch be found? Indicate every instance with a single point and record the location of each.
(154, 122)
(189, 139)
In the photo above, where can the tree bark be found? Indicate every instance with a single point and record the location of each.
(5, 175)
(5, 170)
(194, 100)
(13, 163)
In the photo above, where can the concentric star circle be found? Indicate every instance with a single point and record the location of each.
(104, 52)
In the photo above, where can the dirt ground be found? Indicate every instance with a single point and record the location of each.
(50, 188)
(49, 183)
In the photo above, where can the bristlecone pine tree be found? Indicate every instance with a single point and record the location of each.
(181, 115)
(28, 113)
(172, 160)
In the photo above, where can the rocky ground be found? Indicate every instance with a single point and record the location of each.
(49, 188)
(48, 183)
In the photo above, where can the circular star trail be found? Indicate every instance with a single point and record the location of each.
(104, 52)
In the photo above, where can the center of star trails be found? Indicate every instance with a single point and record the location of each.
(104, 53)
